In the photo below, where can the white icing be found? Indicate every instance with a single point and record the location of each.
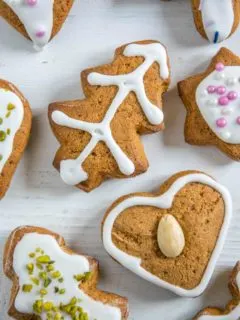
(13, 122)
(218, 18)
(165, 201)
(211, 111)
(68, 265)
(71, 170)
(233, 315)
(35, 18)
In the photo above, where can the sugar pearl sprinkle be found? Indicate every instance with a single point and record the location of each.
(226, 97)
(31, 3)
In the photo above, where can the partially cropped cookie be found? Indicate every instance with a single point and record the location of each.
(100, 135)
(232, 310)
(15, 125)
(212, 102)
(216, 20)
(39, 20)
(173, 237)
(50, 281)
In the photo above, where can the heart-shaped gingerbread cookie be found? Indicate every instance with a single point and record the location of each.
(172, 238)
(39, 20)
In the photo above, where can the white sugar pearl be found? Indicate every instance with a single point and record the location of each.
(231, 81)
(204, 93)
(212, 102)
(220, 76)
(226, 135)
(226, 111)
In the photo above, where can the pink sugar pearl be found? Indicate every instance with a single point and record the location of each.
(238, 120)
(31, 3)
(40, 33)
(219, 66)
(211, 89)
(221, 90)
(223, 101)
(232, 95)
(221, 122)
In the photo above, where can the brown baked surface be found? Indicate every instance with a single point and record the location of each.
(197, 131)
(127, 125)
(232, 304)
(198, 208)
(198, 16)
(88, 286)
(20, 140)
(61, 9)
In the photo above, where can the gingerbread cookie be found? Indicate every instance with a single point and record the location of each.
(232, 310)
(216, 20)
(52, 282)
(99, 136)
(171, 238)
(15, 125)
(39, 20)
(212, 102)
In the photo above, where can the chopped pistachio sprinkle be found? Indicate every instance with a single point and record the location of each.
(1, 120)
(27, 287)
(8, 114)
(43, 274)
(2, 135)
(8, 131)
(1, 157)
(11, 106)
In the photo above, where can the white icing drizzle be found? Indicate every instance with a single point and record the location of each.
(218, 18)
(37, 18)
(68, 265)
(71, 170)
(165, 201)
(11, 122)
(212, 111)
(233, 315)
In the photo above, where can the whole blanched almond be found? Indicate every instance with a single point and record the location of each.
(170, 236)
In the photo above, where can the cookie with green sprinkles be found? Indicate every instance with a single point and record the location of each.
(64, 288)
(15, 125)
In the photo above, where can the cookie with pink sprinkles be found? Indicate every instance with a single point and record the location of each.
(212, 101)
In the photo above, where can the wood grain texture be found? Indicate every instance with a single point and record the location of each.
(38, 196)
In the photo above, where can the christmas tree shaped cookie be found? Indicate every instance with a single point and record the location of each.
(39, 20)
(99, 136)
(51, 282)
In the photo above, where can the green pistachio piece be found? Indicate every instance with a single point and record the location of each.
(56, 274)
(2, 135)
(62, 291)
(56, 289)
(60, 280)
(47, 306)
(31, 255)
(39, 266)
(47, 282)
(49, 267)
(43, 275)
(11, 106)
(8, 114)
(43, 292)
(35, 281)
(43, 259)
(1, 120)
(38, 306)
(30, 268)
(27, 288)
(1, 157)
(8, 131)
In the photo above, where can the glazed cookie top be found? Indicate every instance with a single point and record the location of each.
(37, 18)
(11, 117)
(49, 280)
(173, 238)
(217, 18)
(218, 99)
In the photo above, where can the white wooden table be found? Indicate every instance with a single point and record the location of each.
(38, 196)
